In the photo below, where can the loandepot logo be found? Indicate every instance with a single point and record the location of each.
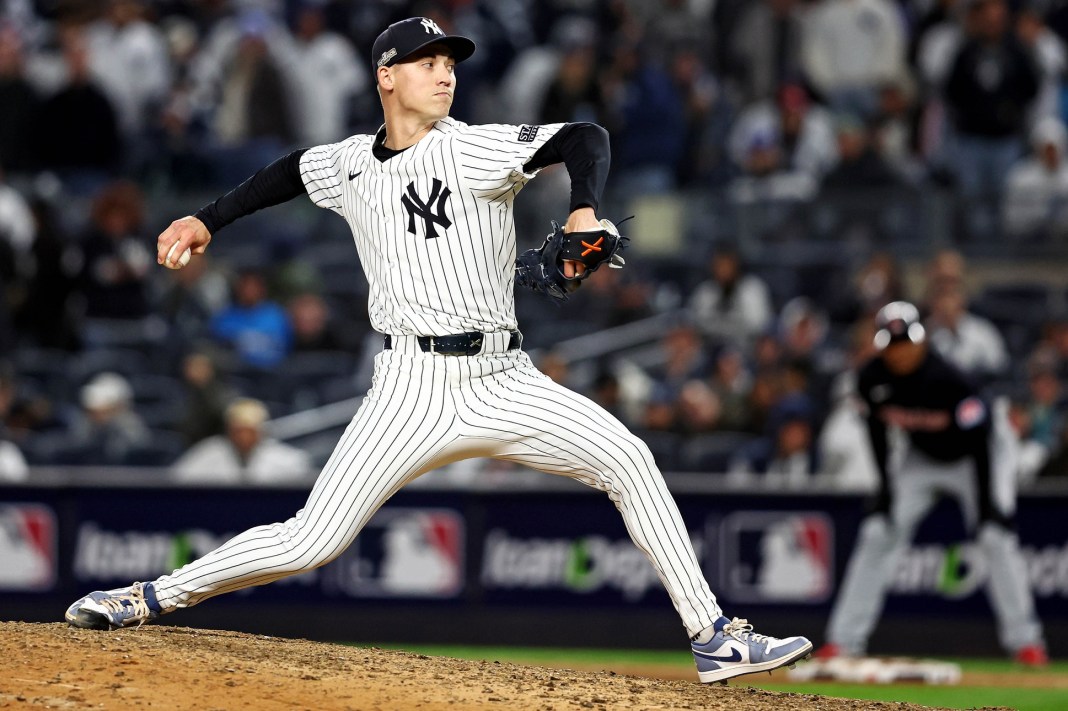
(957, 571)
(582, 565)
(138, 555)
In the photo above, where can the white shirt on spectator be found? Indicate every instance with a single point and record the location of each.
(1035, 197)
(215, 461)
(328, 77)
(815, 152)
(132, 67)
(853, 43)
(13, 467)
(748, 314)
(17, 225)
(975, 345)
(846, 459)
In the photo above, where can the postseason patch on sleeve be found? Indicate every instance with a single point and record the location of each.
(971, 412)
(527, 134)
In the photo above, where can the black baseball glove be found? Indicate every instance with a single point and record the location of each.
(542, 269)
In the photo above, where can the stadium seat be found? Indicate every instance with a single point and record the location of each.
(713, 452)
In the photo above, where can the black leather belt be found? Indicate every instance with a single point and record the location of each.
(460, 344)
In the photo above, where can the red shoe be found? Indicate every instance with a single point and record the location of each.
(828, 651)
(1033, 655)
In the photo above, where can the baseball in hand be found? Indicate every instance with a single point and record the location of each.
(182, 260)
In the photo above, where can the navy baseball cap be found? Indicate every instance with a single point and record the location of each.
(898, 321)
(402, 38)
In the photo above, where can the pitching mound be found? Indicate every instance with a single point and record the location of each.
(51, 665)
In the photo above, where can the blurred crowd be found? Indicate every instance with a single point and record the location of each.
(109, 106)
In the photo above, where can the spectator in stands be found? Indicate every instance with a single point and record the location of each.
(206, 398)
(108, 426)
(613, 297)
(990, 88)
(845, 452)
(851, 48)
(256, 329)
(1036, 190)
(698, 409)
(329, 76)
(252, 118)
(787, 457)
(684, 358)
(312, 327)
(1050, 56)
(1039, 418)
(1057, 465)
(116, 261)
(606, 392)
(20, 102)
(648, 123)
(17, 227)
(76, 132)
(765, 393)
(706, 116)
(765, 48)
(189, 297)
(13, 465)
(45, 315)
(860, 166)
(731, 304)
(244, 455)
(876, 283)
(968, 341)
(802, 132)
(1055, 343)
(732, 383)
(803, 329)
(129, 61)
(574, 93)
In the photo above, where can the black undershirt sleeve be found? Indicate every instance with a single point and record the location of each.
(584, 149)
(277, 183)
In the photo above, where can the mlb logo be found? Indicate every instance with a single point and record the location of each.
(27, 548)
(777, 556)
(403, 553)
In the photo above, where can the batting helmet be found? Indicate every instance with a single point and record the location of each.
(898, 321)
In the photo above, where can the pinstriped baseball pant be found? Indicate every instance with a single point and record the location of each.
(424, 411)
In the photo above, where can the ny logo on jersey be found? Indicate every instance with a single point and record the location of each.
(432, 210)
(430, 26)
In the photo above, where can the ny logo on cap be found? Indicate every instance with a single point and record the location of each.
(430, 26)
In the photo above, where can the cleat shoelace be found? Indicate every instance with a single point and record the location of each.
(135, 599)
(741, 630)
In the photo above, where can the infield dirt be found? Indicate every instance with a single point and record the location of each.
(54, 666)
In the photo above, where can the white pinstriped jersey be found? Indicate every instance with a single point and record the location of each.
(433, 224)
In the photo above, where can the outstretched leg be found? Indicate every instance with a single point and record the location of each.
(521, 415)
(400, 432)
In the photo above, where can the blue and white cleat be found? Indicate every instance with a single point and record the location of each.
(114, 609)
(735, 650)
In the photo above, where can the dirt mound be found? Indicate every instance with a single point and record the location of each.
(51, 665)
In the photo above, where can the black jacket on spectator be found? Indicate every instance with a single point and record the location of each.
(77, 128)
(991, 87)
(20, 106)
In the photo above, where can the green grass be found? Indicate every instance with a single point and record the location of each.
(956, 697)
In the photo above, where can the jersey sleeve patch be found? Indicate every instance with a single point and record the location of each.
(971, 412)
(528, 133)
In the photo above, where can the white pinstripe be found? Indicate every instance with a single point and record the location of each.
(425, 410)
